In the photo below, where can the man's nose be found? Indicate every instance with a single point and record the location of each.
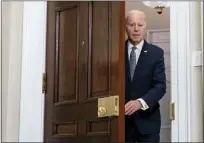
(135, 28)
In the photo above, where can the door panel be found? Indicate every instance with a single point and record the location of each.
(66, 21)
(100, 49)
(82, 65)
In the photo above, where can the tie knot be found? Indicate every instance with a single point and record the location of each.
(133, 48)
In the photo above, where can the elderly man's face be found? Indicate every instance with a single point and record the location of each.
(135, 27)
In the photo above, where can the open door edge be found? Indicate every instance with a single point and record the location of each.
(121, 120)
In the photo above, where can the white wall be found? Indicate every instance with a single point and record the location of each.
(11, 68)
(196, 75)
(6, 10)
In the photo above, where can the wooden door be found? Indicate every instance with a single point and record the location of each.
(84, 62)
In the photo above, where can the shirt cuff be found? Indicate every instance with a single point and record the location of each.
(144, 104)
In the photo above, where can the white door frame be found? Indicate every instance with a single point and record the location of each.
(33, 67)
(185, 38)
(185, 25)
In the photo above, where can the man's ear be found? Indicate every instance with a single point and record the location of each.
(126, 29)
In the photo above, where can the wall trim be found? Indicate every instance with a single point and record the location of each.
(155, 30)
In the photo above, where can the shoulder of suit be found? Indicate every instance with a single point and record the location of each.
(155, 48)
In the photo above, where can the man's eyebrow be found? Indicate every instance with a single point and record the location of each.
(132, 21)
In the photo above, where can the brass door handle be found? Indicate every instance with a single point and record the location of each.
(101, 111)
(108, 106)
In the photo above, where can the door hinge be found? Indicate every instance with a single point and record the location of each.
(172, 111)
(44, 83)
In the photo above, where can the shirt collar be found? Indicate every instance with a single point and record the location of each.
(139, 46)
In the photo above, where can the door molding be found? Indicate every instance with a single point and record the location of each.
(33, 67)
(184, 128)
(155, 30)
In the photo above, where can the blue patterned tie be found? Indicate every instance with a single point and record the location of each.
(132, 62)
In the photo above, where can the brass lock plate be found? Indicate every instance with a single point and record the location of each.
(108, 106)
(172, 111)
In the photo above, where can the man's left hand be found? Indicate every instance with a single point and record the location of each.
(132, 106)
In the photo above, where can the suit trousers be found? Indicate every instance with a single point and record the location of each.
(133, 135)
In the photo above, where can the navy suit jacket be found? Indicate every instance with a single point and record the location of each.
(149, 83)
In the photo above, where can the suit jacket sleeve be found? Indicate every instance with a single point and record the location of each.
(159, 83)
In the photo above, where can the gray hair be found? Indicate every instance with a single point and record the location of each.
(134, 12)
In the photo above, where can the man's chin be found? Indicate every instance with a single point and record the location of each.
(137, 40)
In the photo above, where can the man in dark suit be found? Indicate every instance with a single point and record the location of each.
(145, 82)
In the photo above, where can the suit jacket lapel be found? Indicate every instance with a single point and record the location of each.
(141, 60)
